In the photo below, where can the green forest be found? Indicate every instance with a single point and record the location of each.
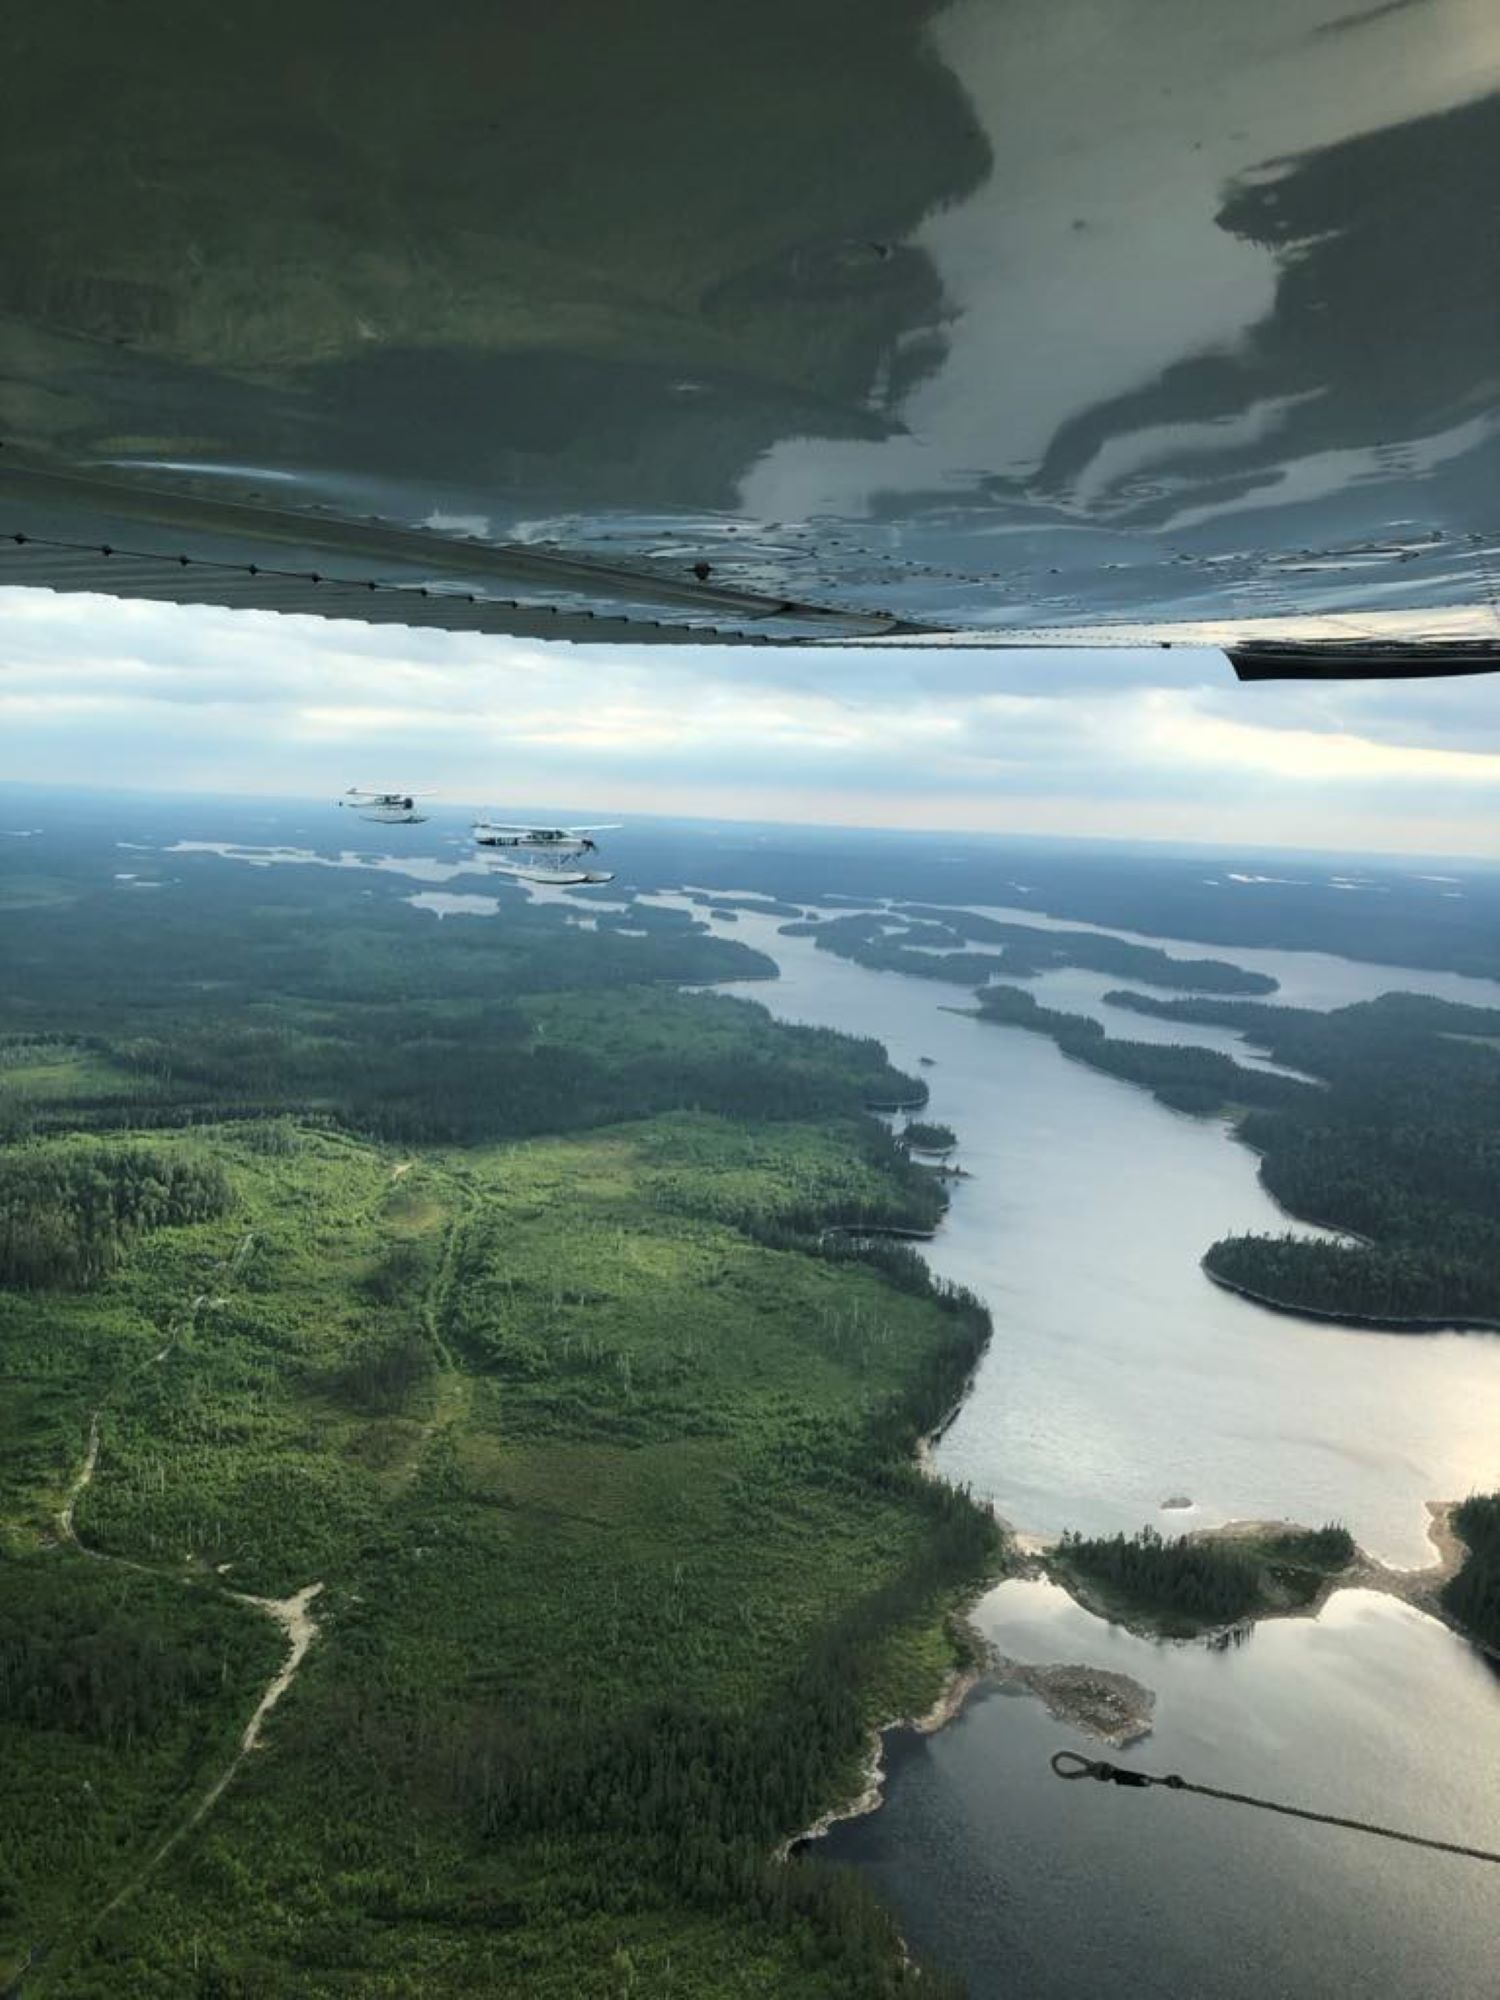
(475, 1274)
(69, 1215)
(1184, 1584)
(930, 943)
(1389, 1133)
(1473, 1596)
(1399, 1146)
(927, 1136)
(1184, 1078)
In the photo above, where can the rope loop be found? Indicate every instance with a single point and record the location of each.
(1108, 1774)
(1068, 1764)
(1082, 1767)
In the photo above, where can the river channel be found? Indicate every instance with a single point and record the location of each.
(1118, 1376)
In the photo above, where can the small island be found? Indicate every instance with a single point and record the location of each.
(1177, 1587)
(1110, 1706)
(925, 1137)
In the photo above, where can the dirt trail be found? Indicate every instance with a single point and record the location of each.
(293, 1614)
(295, 1618)
(301, 1628)
(85, 1474)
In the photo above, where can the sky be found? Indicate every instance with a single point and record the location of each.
(1137, 745)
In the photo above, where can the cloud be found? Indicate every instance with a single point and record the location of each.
(1133, 742)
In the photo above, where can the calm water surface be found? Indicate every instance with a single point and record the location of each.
(1119, 1375)
(1038, 1890)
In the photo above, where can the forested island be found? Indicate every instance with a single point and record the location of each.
(926, 1137)
(472, 1273)
(1185, 1078)
(1181, 1585)
(1401, 1148)
(1394, 1139)
(930, 943)
(1386, 911)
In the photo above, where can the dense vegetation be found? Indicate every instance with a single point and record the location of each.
(68, 1216)
(1030, 950)
(927, 943)
(1182, 1077)
(1183, 1584)
(928, 1137)
(123, 1664)
(1401, 1147)
(1412, 1286)
(1473, 1596)
(601, 1452)
(1441, 915)
(1392, 1139)
(233, 991)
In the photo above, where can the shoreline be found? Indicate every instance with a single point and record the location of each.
(1095, 1700)
(1371, 1322)
(1112, 1707)
(1420, 1588)
(964, 1675)
(959, 1684)
(961, 1679)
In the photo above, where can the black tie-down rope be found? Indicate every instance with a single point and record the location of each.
(1068, 1764)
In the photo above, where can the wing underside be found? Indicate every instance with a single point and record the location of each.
(989, 359)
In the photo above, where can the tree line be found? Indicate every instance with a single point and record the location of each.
(1207, 1580)
(1401, 1146)
(1403, 1281)
(1029, 950)
(68, 1216)
(1473, 1596)
(1178, 1074)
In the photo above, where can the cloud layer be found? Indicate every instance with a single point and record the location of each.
(1135, 744)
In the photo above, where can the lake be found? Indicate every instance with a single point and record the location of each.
(1118, 1376)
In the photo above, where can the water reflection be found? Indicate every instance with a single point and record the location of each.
(1221, 298)
(978, 314)
(1065, 1892)
(1118, 1376)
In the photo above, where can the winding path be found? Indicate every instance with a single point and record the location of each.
(295, 1618)
(293, 1614)
(84, 1476)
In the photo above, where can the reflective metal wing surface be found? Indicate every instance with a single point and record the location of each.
(1173, 319)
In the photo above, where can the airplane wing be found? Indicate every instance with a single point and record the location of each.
(995, 357)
